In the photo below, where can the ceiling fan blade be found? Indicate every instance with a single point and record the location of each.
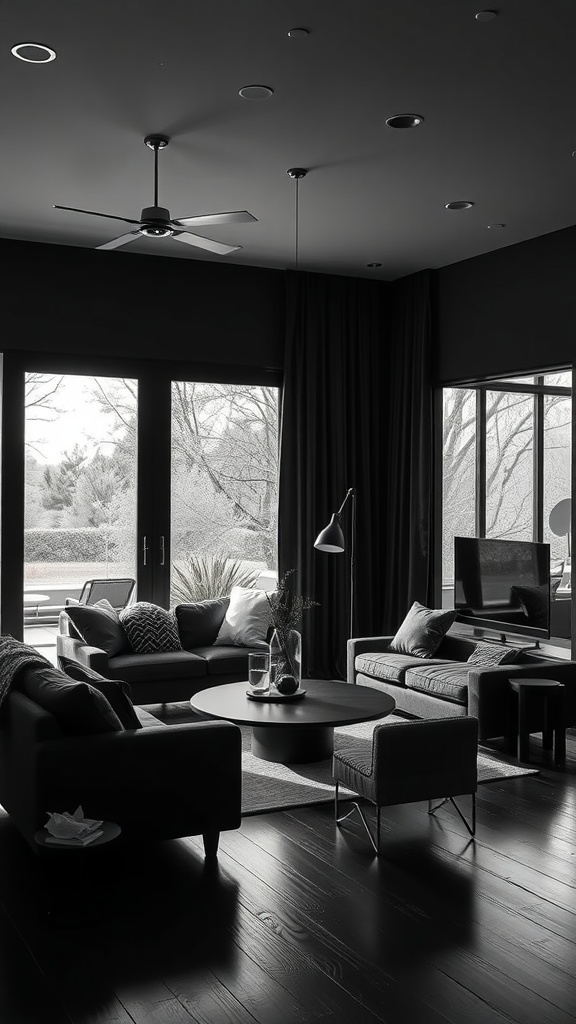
(236, 217)
(121, 240)
(92, 213)
(220, 248)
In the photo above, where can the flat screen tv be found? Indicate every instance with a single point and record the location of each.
(503, 585)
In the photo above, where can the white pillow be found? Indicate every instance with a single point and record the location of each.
(247, 619)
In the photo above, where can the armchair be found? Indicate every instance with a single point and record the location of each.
(411, 761)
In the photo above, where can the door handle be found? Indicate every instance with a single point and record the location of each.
(162, 551)
(144, 549)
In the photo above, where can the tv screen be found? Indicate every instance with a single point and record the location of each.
(503, 585)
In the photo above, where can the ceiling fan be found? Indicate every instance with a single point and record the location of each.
(155, 221)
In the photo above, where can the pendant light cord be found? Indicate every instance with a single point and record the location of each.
(296, 173)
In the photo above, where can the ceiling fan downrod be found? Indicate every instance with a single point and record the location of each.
(156, 218)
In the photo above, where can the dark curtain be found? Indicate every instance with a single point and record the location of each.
(357, 411)
(408, 569)
(332, 438)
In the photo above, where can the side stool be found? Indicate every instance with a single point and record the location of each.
(537, 706)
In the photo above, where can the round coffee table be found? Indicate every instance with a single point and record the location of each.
(300, 731)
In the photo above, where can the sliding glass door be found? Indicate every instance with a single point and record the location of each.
(224, 460)
(80, 486)
(125, 468)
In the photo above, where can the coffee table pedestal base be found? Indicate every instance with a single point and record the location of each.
(290, 745)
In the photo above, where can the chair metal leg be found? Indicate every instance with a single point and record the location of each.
(471, 828)
(356, 806)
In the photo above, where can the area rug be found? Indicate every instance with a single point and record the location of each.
(270, 787)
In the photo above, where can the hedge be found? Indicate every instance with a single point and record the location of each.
(72, 545)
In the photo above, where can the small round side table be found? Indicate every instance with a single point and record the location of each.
(527, 696)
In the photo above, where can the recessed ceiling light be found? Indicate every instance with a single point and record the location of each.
(33, 53)
(486, 15)
(256, 92)
(495, 227)
(404, 120)
(461, 204)
(298, 33)
(373, 265)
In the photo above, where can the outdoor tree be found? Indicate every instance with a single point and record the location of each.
(60, 481)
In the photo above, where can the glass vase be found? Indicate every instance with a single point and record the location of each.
(285, 661)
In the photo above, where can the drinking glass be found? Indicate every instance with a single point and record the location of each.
(259, 672)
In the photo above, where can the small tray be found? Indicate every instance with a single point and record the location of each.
(275, 698)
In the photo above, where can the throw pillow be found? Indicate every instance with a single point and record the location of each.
(99, 626)
(79, 708)
(149, 628)
(116, 691)
(493, 654)
(246, 620)
(199, 622)
(422, 631)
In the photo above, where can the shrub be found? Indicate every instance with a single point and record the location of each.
(205, 576)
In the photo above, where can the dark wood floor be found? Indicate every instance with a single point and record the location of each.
(300, 923)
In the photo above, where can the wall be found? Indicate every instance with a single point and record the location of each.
(68, 299)
(509, 310)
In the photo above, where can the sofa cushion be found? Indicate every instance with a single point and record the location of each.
(450, 682)
(99, 626)
(493, 654)
(150, 628)
(247, 619)
(79, 708)
(222, 661)
(387, 665)
(422, 630)
(116, 691)
(142, 668)
(200, 621)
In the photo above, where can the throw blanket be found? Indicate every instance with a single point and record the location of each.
(14, 656)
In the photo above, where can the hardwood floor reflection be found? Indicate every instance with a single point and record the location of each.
(300, 923)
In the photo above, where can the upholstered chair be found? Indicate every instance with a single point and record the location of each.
(409, 761)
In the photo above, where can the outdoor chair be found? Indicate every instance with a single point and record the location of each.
(117, 592)
(434, 759)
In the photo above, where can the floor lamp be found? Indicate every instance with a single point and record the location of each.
(331, 539)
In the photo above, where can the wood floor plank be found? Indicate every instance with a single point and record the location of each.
(301, 924)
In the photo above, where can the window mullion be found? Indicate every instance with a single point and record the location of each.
(480, 504)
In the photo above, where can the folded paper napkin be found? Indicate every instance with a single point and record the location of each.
(71, 826)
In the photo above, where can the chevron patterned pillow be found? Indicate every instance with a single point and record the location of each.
(149, 628)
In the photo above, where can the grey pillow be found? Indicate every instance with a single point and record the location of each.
(116, 691)
(99, 626)
(199, 621)
(150, 629)
(246, 620)
(79, 708)
(493, 654)
(422, 631)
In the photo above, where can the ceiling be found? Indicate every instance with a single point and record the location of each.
(498, 100)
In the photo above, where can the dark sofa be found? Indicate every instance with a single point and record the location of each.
(156, 781)
(168, 676)
(447, 685)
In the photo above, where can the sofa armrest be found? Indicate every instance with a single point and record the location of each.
(359, 645)
(156, 783)
(425, 759)
(69, 649)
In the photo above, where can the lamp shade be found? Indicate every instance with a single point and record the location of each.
(331, 537)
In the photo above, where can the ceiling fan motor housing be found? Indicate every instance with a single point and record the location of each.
(156, 221)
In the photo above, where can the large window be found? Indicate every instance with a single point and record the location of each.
(506, 461)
